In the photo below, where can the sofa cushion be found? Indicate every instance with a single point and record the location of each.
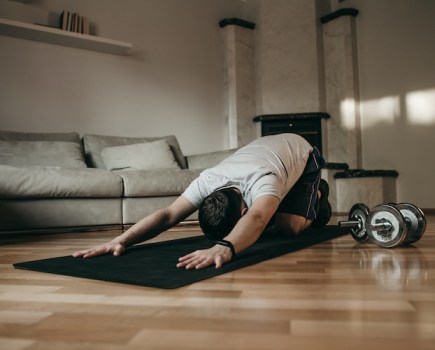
(58, 214)
(139, 183)
(54, 182)
(41, 153)
(140, 156)
(94, 144)
(208, 160)
(134, 209)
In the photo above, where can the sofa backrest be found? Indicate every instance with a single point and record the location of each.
(35, 136)
(94, 144)
(208, 160)
(41, 149)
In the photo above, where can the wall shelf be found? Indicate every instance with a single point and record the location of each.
(61, 37)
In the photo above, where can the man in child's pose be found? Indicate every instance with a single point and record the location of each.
(274, 179)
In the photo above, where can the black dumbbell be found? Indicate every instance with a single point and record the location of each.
(415, 221)
(387, 225)
(357, 220)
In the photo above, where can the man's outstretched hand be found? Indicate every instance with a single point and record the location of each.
(217, 255)
(106, 248)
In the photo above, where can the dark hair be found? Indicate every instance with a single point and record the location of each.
(219, 213)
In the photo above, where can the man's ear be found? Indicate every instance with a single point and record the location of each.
(244, 211)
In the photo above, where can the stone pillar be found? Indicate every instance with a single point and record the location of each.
(239, 68)
(288, 58)
(342, 88)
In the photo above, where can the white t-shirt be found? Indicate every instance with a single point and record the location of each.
(270, 165)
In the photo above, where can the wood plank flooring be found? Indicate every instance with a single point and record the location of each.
(335, 295)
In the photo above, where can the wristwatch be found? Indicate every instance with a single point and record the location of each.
(228, 244)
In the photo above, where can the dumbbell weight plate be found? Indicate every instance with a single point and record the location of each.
(359, 212)
(391, 237)
(415, 219)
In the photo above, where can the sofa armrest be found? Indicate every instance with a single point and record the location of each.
(208, 160)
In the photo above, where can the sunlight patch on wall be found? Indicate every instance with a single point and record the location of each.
(384, 110)
(420, 106)
(347, 113)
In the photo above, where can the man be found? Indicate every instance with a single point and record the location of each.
(274, 179)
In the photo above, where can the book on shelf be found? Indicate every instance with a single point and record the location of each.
(63, 20)
(73, 22)
(85, 25)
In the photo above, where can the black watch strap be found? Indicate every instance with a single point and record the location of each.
(228, 244)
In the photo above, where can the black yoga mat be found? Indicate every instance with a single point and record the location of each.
(153, 264)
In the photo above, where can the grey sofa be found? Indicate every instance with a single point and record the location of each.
(61, 182)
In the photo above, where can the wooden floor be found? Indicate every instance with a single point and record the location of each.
(336, 295)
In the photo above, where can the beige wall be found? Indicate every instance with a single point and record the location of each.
(396, 53)
(172, 83)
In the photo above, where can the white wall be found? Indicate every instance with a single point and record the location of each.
(172, 83)
(396, 52)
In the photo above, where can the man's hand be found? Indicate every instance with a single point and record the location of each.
(217, 255)
(112, 247)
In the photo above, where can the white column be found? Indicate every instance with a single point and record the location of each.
(288, 58)
(342, 91)
(239, 84)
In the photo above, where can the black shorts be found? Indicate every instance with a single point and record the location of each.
(301, 198)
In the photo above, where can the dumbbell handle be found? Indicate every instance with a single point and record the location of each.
(381, 226)
(355, 223)
(349, 223)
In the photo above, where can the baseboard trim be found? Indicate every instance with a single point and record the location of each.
(428, 211)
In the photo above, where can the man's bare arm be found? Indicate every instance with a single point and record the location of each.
(253, 223)
(245, 233)
(145, 229)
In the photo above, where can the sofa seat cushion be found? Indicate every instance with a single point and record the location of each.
(139, 183)
(58, 214)
(57, 182)
(135, 209)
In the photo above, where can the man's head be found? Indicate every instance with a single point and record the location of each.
(220, 212)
